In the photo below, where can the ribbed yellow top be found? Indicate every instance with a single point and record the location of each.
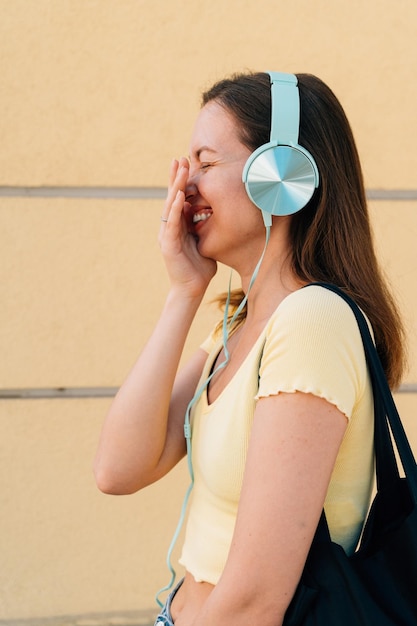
(310, 344)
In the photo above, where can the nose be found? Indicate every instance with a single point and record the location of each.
(191, 188)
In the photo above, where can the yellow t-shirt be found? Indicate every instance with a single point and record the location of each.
(310, 344)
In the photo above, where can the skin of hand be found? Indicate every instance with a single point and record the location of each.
(188, 271)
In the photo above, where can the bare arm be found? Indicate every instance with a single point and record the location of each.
(292, 451)
(142, 437)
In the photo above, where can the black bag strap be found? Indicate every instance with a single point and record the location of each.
(386, 414)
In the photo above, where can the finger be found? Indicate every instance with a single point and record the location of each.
(177, 207)
(177, 220)
(173, 217)
(169, 198)
(173, 172)
(176, 170)
(177, 182)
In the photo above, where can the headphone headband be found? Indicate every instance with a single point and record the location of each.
(285, 109)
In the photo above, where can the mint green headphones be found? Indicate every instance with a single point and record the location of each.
(280, 176)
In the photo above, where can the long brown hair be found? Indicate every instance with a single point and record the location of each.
(331, 238)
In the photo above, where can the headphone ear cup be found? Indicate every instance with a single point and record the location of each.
(280, 179)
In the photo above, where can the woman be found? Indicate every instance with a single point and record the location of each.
(282, 424)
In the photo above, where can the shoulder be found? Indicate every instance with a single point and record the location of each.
(314, 331)
(316, 300)
(313, 344)
(314, 310)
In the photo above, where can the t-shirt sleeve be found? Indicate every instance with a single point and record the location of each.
(313, 345)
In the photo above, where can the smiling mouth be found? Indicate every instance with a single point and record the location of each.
(201, 216)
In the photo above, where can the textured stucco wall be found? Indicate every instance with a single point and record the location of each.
(99, 94)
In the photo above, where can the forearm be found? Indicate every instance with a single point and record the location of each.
(238, 607)
(134, 436)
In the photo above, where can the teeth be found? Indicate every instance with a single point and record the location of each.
(200, 217)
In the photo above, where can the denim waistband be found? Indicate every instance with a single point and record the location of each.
(164, 618)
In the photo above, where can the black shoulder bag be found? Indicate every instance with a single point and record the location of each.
(377, 585)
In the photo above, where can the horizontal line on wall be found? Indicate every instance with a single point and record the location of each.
(145, 617)
(84, 192)
(130, 193)
(58, 392)
(99, 392)
(391, 194)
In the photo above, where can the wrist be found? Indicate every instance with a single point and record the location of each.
(185, 296)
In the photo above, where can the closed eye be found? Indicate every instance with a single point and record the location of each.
(205, 166)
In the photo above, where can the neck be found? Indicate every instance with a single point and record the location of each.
(274, 281)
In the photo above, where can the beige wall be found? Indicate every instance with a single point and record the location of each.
(101, 94)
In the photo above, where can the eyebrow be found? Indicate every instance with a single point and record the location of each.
(204, 149)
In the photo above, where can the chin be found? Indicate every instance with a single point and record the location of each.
(206, 250)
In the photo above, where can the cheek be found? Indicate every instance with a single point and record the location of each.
(234, 188)
(229, 191)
